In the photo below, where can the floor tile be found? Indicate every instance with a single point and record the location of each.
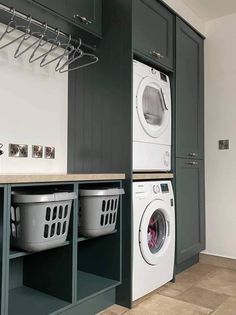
(221, 281)
(162, 305)
(169, 291)
(114, 310)
(197, 272)
(185, 280)
(182, 283)
(227, 308)
(117, 309)
(203, 297)
(218, 261)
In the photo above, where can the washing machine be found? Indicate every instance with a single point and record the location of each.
(151, 119)
(153, 236)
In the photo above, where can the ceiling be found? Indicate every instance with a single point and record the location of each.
(211, 9)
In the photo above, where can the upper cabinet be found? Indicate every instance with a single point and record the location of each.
(189, 92)
(153, 32)
(84, 13)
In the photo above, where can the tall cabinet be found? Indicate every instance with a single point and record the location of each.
(189, 148)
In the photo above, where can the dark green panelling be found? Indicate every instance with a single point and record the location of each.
(153, 31)
(189, 92)
(15, 273)
(50, 272)
(186, 264)
(190, 209)
(100, 117)
(105, 251)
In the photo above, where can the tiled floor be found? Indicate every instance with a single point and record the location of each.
(201, 290)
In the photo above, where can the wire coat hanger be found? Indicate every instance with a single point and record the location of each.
(68, 48)
(27, 29)
(55, 45)
(18, 53)
(73, 57)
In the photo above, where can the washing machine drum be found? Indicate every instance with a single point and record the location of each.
(152, 107)
(154, 232)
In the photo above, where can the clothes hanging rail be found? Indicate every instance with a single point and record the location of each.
(29, 26)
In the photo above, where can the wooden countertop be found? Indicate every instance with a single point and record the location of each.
(46, 178)
(143, 176)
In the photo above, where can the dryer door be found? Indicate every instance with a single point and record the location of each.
(152, 107)
(154, 232)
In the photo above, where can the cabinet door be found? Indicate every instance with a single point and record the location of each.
(190, 208)
(189, 92)
(153, 31)
(85, 13)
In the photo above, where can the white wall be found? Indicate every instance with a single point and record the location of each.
(33, 110)
(184, 11)
(220, 123)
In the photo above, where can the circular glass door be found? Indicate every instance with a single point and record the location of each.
(154, 231)
(152, 107)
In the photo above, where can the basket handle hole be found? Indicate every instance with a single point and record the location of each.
(53, 228)
(60, 212)
(46, 229)
(102, 220)
(48, 214)
(66, 211)
(58, 228)
(64, 228)
(103, 206)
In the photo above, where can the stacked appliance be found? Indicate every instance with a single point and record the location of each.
(153, 201)
(151, 119)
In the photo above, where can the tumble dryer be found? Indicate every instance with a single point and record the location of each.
(153, 236)
(151, 119)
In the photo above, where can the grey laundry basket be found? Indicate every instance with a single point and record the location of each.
(40, 221)
(98, 211)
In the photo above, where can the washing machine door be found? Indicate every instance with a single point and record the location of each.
(152, 107)
(154, 232)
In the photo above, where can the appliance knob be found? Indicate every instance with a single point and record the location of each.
(153, 71)
(156, 189)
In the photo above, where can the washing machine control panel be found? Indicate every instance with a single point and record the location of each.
(156, 189)
(164, 188)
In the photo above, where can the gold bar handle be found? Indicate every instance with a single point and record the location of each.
(156, 54)
(83, 19)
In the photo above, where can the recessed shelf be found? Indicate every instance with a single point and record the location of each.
(14, 253)
(27, 301)
(82, 239)
(89, 285)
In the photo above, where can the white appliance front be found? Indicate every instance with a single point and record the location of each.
(153, 236)
(151, 119)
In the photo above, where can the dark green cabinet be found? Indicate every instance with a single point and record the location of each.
(189, 92)
(153, 32)
(84, 13)
(189, 145)
(190, 212)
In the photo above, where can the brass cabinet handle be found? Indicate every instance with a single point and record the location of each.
(156, 54)
(192, 154)
(192, 163)
(83, 19)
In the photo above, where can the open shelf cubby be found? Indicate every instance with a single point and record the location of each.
(26, 301)
(99, 265)
(38, 283)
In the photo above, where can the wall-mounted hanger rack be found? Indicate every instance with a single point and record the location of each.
(46, 36)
